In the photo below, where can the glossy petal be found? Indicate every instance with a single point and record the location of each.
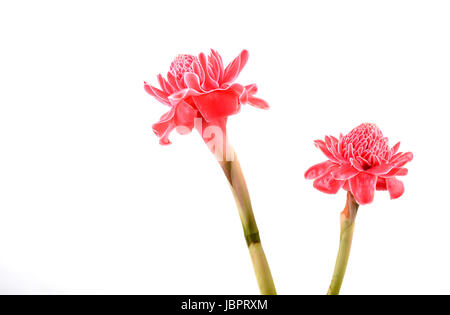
(399, 171)
(395, 187)
(184, 118)
(328, 184)
(164, 127)
(323, 147)
(363, 187)
(395, 148)
(251, 89)
(235, 67)
(209, 82)
(380, 169)
(192, 81)
(345, 172)
(258, 102)
(319, 170)
(403, 159)
(161, 96)
(182, 95)
(217, 104)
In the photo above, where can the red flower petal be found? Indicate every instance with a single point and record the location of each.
(241, 91)
(344, 172)
(184, 118)
(161, 96)
(395, 187)
(363, 187)
(380, 169)
(318, 170)
(165, 125)
(182, 95)
(209, 83)
(327, 184)
(217, 104)
(235, 67)
(395, 148)
(403, 159)
(397, 172)
(166, 86)
(251, 89)
(192, 81)
(173, 82)
(356, 165)
(258, 102)
(323, 147)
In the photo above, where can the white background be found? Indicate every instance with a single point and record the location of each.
(91, 203)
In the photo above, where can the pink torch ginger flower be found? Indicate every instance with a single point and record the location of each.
(201, 93)
(201, 87)
(360, 162)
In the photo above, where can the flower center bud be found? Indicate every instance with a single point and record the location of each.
(368, 143)
(182, 64)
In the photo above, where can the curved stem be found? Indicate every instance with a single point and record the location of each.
(348, 217)
(233, 172)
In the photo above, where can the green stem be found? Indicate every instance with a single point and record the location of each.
(233, 172)
(348, 217)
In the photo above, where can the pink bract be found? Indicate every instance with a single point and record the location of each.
(201, 87)
(360, 162)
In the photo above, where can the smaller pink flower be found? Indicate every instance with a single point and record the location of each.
(201, 88)
(360, 162)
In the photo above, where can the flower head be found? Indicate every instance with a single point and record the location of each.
(201, 87)
(360, 162)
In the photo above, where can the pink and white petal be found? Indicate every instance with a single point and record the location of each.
(395, 187)
(192, 81)
(258, 102)
(332, 146)
(209, 83)
(398, 171)
(323, 147)
(241, 91)
(174, 82)
(235, 67)
(403, 159)
(237, 88)
(217, 104)
(179, 96)
(381, 169)
(251, 89)
(184, 118)
(362, 187)
(363, 162)
(356, 165)
(165, 86)
(319, 170)
(164, 127)
(327, 184)
(217, 70)
(219, 64)
(157, 93)
(395, 148)
(344, 172)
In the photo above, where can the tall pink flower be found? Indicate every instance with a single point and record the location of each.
(201, 87)
(201, 93)
(360, 162)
